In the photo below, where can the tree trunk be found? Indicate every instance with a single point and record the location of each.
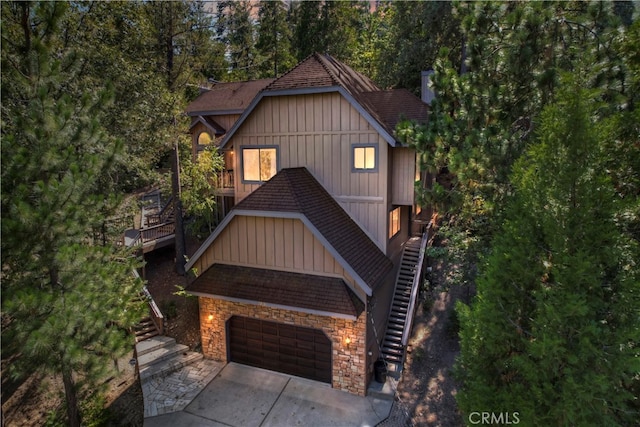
(177, 205)
(73, 412)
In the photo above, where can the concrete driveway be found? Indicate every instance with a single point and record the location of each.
(242, 396)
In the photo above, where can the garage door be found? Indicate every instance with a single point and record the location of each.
(293, 350)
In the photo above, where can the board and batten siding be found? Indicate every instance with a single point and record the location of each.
(283, 244)
(317, 131)
(403, 171)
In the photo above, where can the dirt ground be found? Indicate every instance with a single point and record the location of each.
(427, 390)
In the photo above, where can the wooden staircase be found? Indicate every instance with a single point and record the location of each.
(145, 329)
(403, 303)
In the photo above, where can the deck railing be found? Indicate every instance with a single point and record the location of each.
(226, 179)
(161, 217)
(414, 288)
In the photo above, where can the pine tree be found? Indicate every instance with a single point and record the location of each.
(553, 333)
(68, 302)
(483, 120)
(274, 39)
(235, 28)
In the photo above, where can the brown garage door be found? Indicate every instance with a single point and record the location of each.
(294, 350)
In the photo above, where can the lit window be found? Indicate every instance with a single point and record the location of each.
(364, 158)
(259, 164)
(394, 222)
(204, 138)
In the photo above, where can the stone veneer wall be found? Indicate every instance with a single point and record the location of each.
(349, 360)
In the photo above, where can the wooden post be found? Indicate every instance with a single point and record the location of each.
(180, 246)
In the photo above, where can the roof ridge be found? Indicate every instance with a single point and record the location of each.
(322, 60)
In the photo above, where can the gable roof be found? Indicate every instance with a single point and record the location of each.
(295, 193)
(226, 98)
(211, 124)
(311, 293)
(322, 73)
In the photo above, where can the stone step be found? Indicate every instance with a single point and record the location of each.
(153, 344)
(161, 354)
(168, 366)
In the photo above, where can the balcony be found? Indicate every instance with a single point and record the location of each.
(225, 180)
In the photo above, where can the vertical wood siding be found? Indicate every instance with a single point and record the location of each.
(317, 131)
(402, 175)
(276, 243)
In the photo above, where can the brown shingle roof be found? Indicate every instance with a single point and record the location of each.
(323, 71)
(393, 105)
(385, 106)
(327, 294)
(296, 190)
(233, 96)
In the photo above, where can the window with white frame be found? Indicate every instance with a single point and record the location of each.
(259, 163)
(394, 222)
(364, 158)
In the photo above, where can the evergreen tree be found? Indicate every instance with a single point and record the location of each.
(306, 28)
(331, 27)
(553, 333)
(482, 120)
(416, 33)
(68, 302)
(236, 29)
(274, 39)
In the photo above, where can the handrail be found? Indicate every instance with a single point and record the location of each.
(414, 289)
(162, 215)
(156, 314)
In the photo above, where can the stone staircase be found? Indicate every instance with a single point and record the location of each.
(392, 345)
(159, 356)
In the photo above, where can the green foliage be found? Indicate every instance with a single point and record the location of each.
(169, 309)
(478, 129)
(274, 39)
(199, 182)
(332, 27)
(235, 28)
(553, 329)
(68, 302)
(416, 31)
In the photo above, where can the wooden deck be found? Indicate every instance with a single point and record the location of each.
(157, 224)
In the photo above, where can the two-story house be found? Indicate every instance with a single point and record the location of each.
(309, 270)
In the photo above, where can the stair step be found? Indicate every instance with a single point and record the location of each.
(392, 344)
(161, 354)
(168, 366)
(392, 351)
(153, 344)
(392, 359)
(146, 330)
(146, 336)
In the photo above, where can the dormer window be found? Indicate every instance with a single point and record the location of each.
(364, 157)
(259, 164)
